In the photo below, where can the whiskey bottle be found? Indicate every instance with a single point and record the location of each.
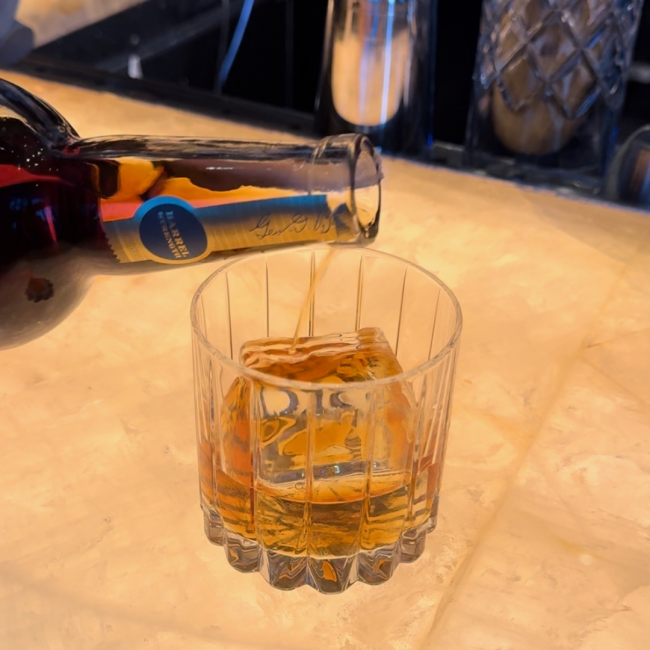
(72, 208)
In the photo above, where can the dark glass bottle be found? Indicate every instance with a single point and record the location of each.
(72, 208)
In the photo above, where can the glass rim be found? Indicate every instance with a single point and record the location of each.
(310, 386)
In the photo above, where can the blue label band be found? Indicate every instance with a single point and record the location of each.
(170, 229)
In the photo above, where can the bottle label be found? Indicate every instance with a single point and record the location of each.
(169, 230)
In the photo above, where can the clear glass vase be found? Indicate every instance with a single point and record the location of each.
(549, 85)
(320, 463)
(377, 73)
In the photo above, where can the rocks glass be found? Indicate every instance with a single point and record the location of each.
(320, 457)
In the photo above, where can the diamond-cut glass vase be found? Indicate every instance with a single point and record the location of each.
(549, 85)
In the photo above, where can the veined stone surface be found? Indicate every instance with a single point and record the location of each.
(543, 539)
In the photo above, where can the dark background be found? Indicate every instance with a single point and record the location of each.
(275, 76)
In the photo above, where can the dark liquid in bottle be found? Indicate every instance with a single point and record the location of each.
(49, 232)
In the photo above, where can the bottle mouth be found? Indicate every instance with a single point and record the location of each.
(366, 187)
(347, 168)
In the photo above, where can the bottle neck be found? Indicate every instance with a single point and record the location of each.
(179, 200)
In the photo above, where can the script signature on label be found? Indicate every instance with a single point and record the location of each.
(276, 226)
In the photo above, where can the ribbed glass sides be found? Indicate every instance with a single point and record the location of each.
(326, 471)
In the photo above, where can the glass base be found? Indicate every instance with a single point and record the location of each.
(329, 575)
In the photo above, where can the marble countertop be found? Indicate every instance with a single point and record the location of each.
(543, 540)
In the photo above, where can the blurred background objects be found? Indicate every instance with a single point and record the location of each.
(549, 84)
(16, 40)
(272, 62)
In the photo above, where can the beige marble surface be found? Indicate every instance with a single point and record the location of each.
(544, 537)
(51, 19)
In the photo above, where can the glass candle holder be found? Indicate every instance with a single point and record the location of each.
(377, 73)
(549, 85)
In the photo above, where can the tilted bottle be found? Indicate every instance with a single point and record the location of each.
(73, 208)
